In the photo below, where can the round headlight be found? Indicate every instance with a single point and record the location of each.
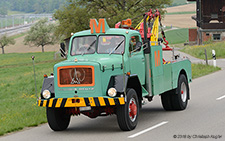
(46, 94)
(112, 92)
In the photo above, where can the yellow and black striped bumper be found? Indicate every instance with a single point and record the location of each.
(80, 102)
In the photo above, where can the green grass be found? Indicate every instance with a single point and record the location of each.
(18, 107)
(199, 51)
(21, 59)
(177, 36)
(199, 70)
(18, 35)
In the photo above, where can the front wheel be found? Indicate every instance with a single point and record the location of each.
(127, 115)
(58, 120)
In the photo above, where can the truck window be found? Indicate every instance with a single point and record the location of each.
(132, 43)
(110, 44)
(83, 45)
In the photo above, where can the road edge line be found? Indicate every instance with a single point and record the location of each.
(148, 129)
(222, 97)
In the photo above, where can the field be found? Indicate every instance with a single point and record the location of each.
(180, 16)
(177, 36)
(19, 47)
(17, 89)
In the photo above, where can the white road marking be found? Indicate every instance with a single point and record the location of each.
(220, 97)
(148, 129)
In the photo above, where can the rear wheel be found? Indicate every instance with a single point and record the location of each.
(166, 99)
(177, 99)
(180, 100)
(127, 115)
(58, 120)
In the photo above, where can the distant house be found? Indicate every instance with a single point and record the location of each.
(210, 20)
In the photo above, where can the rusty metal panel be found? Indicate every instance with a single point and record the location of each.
(192, 35)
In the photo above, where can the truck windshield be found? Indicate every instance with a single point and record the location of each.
(83, 45)
(110, 44)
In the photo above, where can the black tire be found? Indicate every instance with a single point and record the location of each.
(166, 99)
(58, 120)
(126, 119)
(180, 99)
(176, 99)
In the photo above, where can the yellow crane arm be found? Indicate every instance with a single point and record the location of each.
(155, 32)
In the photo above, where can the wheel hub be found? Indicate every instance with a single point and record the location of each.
(183, 92)
(132, 109)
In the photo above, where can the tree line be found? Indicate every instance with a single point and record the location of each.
(30, 6)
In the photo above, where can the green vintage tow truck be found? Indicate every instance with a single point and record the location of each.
(111, 70)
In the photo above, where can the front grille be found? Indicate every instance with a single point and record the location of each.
(69, 76)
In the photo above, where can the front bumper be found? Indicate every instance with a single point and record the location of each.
(80, 102)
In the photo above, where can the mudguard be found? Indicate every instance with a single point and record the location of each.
(48, 84)
(120, 82)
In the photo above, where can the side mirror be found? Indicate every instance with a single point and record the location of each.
(138, 46)
(62, 50)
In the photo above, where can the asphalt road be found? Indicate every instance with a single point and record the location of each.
(204, 119)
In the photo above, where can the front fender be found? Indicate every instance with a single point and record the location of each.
(121, 83)
(48, 84)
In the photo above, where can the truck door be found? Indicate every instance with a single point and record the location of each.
(137, 59)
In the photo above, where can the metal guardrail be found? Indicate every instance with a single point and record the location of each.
(15, 30)
(21, 19)
(9, 26)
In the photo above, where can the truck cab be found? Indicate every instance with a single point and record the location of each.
(108, 71)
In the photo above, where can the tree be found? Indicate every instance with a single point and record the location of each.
(5, 41)
(74, 16)
(41, 34)
(3, 7)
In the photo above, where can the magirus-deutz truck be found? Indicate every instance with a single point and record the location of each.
(111, 71)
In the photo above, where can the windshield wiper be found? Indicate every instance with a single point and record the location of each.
(89, 47)
(116, 47)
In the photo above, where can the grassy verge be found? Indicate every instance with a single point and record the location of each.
(18, 107)
(199, 51)
(199, 70)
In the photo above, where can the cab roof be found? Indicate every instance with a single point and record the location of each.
(110, 31)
